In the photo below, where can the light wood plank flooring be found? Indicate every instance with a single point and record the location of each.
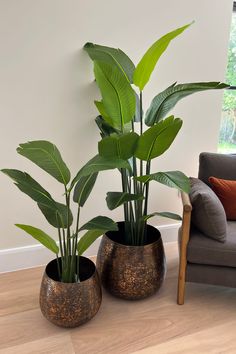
(205, 324)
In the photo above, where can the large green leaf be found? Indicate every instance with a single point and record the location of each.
(114, 57)
(173, 179)
(157, 139)
(40, 236)
(102, 111)
(104, 127)
(100, 223)
(49, 207)
(148, 62)
(164, 214)
(47, 156)
(97, 164)
(30, 187)
(167, 99)
(83, 188)
(87, 239)
(118, 146)
(57, 217)
(118, 96)
(115, 199)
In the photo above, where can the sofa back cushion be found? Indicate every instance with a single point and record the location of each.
(226, 192)
(208, 214)
(217, 165)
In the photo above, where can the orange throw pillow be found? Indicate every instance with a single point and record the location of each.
(226, 192)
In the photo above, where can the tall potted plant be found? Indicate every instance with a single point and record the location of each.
(70, 291)
(131, 260)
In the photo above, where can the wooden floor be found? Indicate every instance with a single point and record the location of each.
(205, 324)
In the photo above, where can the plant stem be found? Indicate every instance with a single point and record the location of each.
(76, 241)
(58, 269)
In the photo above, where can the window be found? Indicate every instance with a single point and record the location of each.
(227, 138)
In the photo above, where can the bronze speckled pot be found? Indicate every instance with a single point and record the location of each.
(70, 304)
(131, 272)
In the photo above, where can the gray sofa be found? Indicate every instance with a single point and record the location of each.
(207, 241)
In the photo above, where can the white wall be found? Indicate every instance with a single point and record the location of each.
(47, 89)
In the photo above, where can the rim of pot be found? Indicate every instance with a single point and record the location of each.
(127, 246)
(90, 262)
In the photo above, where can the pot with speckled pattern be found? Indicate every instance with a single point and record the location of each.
(70, 304)
(131, 272)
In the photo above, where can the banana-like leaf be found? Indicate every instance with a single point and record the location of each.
(57, 217)
(114, 57)
(173, 179)
(164, 214)
(97, 164)
(49, 207)
(148, 62)
(46, 155)
(100, 223)
(102, 111)
(167, 99)
(117, 94)
(104, 127)
(40, 236)
(29, 186)
(87, 239)
(115, 199)
(157, 139)
(83, 188)
(118, 146)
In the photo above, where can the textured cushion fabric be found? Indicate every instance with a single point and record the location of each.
(224, 276)
(226, 192)
(217, 165)
(203, 250)
(208, 214)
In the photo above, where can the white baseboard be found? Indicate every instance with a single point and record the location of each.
(13, 259)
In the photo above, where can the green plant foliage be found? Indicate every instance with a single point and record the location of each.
(57, 217)
(157, 139)
(115, 199)
(97, 164)
(126, 143)
(46, 156)
(164, 214)
(167, 99)
(40, 236)
(118, 146)
(112, 56)
(87, 239)
(117, 95)
(104, 127)
(173, 179)
(83, 188)
(148, 62)
(49, 207)
(100, 223)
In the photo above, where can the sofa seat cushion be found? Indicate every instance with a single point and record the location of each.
(203, 250)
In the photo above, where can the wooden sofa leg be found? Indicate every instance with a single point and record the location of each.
(181, 286)
(183, 247)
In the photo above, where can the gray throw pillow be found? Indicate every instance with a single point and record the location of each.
(208, 214)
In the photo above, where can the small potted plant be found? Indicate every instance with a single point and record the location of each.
(131, 260)
(70, 290)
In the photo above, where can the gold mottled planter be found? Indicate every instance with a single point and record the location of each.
(70, 304)
(131, 272)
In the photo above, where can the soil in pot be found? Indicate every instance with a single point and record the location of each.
(70, 304)
(131, 272)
